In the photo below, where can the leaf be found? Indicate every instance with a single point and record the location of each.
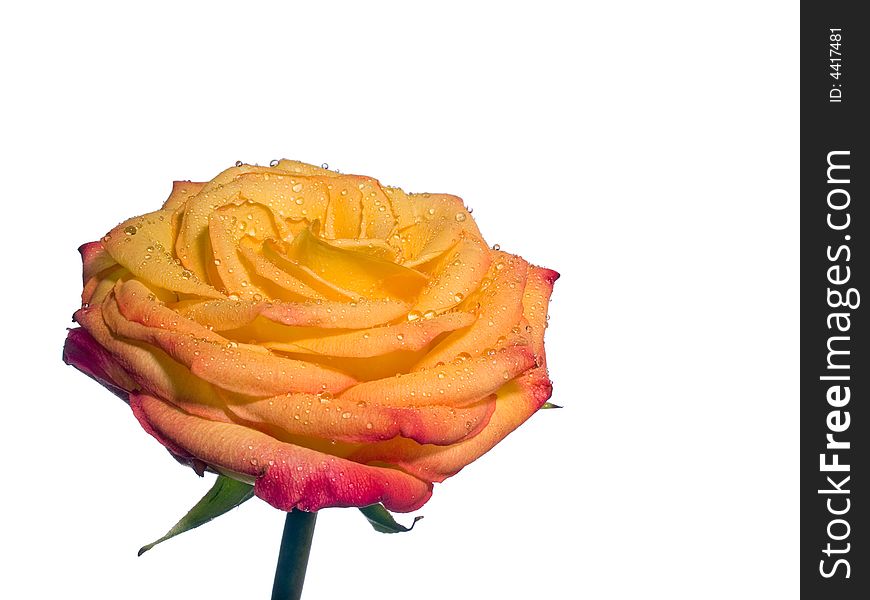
(381, 519)
(224, 495)
(547, 405)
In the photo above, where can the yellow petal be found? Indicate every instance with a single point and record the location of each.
(144, 246)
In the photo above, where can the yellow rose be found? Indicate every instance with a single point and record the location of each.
(331, 340)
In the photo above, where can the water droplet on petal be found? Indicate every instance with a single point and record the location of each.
(460, 217)
(130, 230)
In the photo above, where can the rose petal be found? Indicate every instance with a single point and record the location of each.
(182, 191)
(318, 417)
(94, 260)
(228, 226)
(83, 352)
(455, 384)
(360, 273)
(284, 285)
(516, 402)
(239, 368)
(286, 476)
(149, 367)
(409, 336)
(456, 275)
(143, 245)
(500, 299)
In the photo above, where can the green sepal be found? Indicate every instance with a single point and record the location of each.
(381, 519)
(224, 495)
(547, 405)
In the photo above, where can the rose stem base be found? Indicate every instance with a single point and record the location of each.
(293, 556)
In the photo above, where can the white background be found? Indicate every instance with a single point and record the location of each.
(648, 151)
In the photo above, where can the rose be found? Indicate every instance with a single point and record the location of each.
(331, 340)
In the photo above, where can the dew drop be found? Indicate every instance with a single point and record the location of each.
(130, 230)
(429, 314)
(460, 217)
(369, 425)
(345, 414)
(297, 188)
(324, 166)
(185, 274)
(458, 297)
(239, 163)
(274, 162)
(400, 337)
(414, 315)
(217, 262)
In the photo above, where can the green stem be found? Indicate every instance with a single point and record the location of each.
(293, 556)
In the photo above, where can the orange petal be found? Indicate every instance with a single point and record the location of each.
(286, 476)
(409, 336)
(143, 245)
(192, 245)
(289, 287)
(271, 320)
(457, 274)
(244, 369)
(325, 418)
(230, 224)
(94, 259)
(181, 193)
(330, 314)
(149, 367)
(101, 285)
(500, 299)
(455, 384)
(362, 274)
(516, 402)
